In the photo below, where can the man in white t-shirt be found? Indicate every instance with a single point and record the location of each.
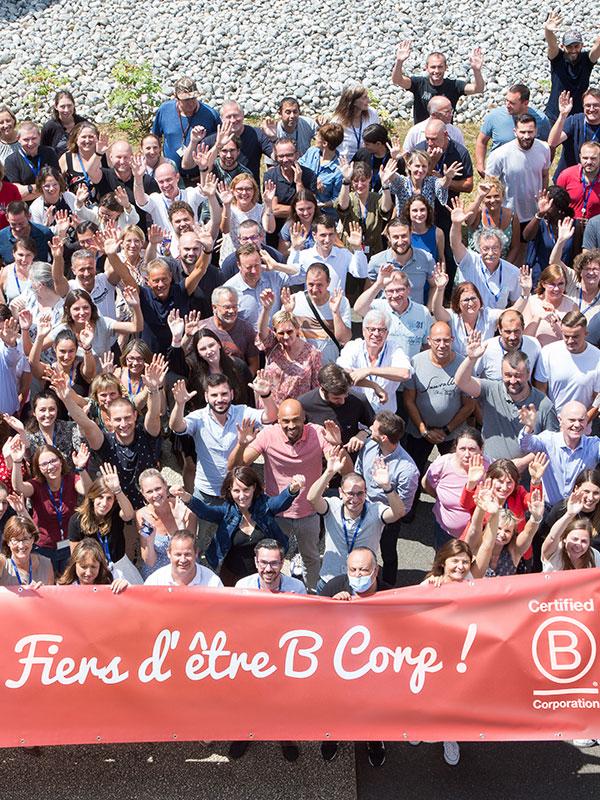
(511, 339)
(570, 369)
(268, 557)
(375, 358)
(100, 286)
(182, 569)
(523, 166)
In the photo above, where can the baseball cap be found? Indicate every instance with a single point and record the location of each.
(572, 37)
(186, 89)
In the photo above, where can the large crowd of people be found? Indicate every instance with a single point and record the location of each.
(317, 321)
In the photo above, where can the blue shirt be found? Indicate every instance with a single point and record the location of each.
(9, 358)
(499, 125)
(404, 475)
(249, 298)
(577, 131)
(329, 173)
(419, 269)
(175, 128)
(565, 463)
(40, 234)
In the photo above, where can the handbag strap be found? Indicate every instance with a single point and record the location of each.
(321, 321)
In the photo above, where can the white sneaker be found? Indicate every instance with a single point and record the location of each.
(585, 742)
(296, 566)
(451, 753)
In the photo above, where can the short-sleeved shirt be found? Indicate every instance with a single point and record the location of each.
(203, 577)
(437, 397)
(591, 234)
(577, 131)
(175, 129)
(570, 376)
(499, 288)
(40, 234)
(419, 269)
(155, 312)
(501, 423)
(352, 413)
(364, 531)
(499, 125)
(354, 356)
(115, 538)
(522, 173)
(214, 443)
(158, 205)
(448, 482)
(340, 262)
(313, 332)
(284, 459)
(23, 169)
(490, 364)
(404, 475)
(237, 342)
(249, 296)
(569, 76)
(254, 143)
(103, 294)
(286, 584)
(423, 90)
(585, 196)
(410, 328)
(131, 459)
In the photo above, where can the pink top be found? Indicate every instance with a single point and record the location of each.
(282, 460)
(544, 332)
(449, 483)
(290, 378)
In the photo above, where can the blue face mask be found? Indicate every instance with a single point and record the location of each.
(360, 583)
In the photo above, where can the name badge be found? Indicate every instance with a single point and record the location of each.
(180, 151)
(62, 544)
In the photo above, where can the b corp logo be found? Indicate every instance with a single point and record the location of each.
(563, 649)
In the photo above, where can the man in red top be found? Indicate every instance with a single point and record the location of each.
(582, 181)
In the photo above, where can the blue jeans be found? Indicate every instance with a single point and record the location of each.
(440, 536)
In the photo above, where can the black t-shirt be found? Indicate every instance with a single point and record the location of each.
(200, 299)
(131, 459)
(55, 136)
(423, 90)
(109, 182)
(24, 169)
(376, 164)
(254, 143)
(240, 558)
(156, 332)
(568, 76)
(115, 538)
(355, 410)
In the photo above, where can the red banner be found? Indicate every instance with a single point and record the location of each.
(505, 658)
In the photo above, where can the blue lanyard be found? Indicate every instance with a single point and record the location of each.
(587, 190)
(180, 196)
(86, 177)
(17, 572)
(358, 135)
(104, 542)
(34, 168)
(17, 279)
(593, 303)
(140, 384)
(550, 232)
(363, 514)
(375, 176)
(593, 137)
(485, 274)
(258, 582)
(58, 509)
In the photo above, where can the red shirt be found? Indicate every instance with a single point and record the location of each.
(8, 193)
(45, 511)
(570, 180)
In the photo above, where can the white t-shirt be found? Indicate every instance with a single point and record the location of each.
(203, 577)
(521, 171)
(554, 563)
(570, 376)
(354, 356)
(312, 330)
(490, 364)
(286, 584)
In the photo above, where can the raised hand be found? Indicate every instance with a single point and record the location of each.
(268, 261)
(59, 381)
(355, 236)
(269, 192)
(225, 194)
(17, 449)
(44, 323)
(181, 394)
(298, 236)
(527, 416)
(381, 473)
(56, 247)
(574, 501)
(138, 165)
(81, 195)
(332, 432)
(385, 274)
(9, 331)
(440, 276)
(269, 127)
(486, 500)
(458, 214)
(536, 506)
(267, 299)
(346, 168)
(476, 469)
(297, 483)
(86, 336)
(102, 144)
(107, 363)
(537, 467)
(179, 491)
(247, 432)
(566, 229)
(476, 59)
(107, 241)
(131, 296)
(335, 460)
(156, 234)
(335, 300)
(25, 318)
(288, 300)
(122, 197)
(176, 325)
(395, 147)
(201, 157)
(210, 184)
(224, 134)
(17, 503)
(193, 323)
(553, 21)
(63, 222)
(403, 51)
(198, 133)
(475, 347)
(81, 457)
(455, 169)
(525, 280)
(544, 203)
(565, 103)
(389, 171)
(156, 372)
(261, 383)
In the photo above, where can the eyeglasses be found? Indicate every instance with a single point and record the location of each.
(376, 330)
(255, 238)
(50, 463)
(20, 539)
(272, 564)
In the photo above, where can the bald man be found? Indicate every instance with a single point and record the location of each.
(570, 451)
(437, 139)
(439, 107)
(435, 406)
(285, 446)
